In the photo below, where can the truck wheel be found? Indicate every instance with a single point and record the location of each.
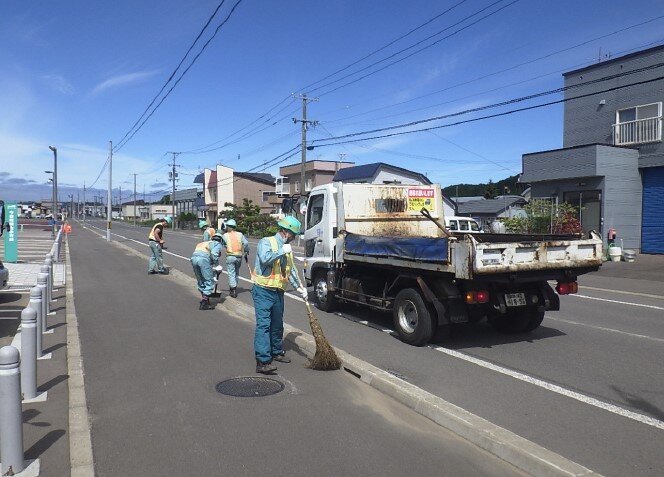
(324, 299)
(517, 321)
(412, 319)
(535, 319)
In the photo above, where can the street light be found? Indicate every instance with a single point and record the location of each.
(52, 180)
(55, 185)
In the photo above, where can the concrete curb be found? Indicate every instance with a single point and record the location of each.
(80, 442)
(520, 452)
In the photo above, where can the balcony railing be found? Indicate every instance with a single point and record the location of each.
(638, 132)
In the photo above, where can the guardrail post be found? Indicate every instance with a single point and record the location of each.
(46, 269)
(35, 304)
(11, 412)
(42, 282)
(29, 353)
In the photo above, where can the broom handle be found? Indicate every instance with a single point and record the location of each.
(306, 302)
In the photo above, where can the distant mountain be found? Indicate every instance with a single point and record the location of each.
(488, 190)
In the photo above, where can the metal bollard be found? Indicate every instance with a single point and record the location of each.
(35, 304)
(11, 414)
(42, 281)
(29, 353)
(47, 271)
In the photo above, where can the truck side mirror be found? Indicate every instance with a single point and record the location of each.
(287, 206)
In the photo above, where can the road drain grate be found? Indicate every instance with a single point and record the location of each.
(249, 386)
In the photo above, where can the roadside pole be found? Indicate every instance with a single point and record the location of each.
(109, 206)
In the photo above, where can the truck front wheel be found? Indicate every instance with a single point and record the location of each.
(412, 319)
(324, 298)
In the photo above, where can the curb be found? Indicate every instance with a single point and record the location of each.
(80, 442)
(504, 444)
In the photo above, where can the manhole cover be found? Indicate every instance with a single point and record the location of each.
(249, 386)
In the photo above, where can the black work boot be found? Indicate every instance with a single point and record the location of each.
(282, 358)
(205, 305)
(265, 368)
(233, 292)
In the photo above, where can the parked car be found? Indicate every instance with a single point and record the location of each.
(462, 224)
(4, 277)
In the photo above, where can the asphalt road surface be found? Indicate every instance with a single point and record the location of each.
(587, 384)
(152, 360)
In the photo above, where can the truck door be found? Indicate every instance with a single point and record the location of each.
(317, 226)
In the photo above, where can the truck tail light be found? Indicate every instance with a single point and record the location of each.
(567, 288)
(476, 297)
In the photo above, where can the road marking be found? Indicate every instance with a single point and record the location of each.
(642, 418)
(612, 330)
(653, 307)
(647, 295)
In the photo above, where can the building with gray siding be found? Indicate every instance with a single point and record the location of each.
(611, 165)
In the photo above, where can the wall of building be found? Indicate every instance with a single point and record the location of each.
(253, 191)
(225, 187)
(560, 164)
(384, 176)
(587, 121)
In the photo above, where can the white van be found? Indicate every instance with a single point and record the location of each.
(462, 224)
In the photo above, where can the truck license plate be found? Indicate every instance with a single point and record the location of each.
(515, 299)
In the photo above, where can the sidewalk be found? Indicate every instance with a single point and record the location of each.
(645, 275)
(152, 362)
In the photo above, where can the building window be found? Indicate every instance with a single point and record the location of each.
(639, 124)
(315, 210)
(309, 183)
(297, 187)
(267, 195)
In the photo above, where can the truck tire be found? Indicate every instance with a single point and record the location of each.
(413, 320)
(517, 321)
(324, 299)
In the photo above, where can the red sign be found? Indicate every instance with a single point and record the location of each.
(425, 193)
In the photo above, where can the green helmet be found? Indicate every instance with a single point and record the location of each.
(202, 224)
(168, 219)
(290, 223)
(231, 223)
(217, 237)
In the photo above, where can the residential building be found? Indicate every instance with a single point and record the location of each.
(382, 173)
(611, 164)
(185, 201)
(140, 212)
(159, 211)
(223, 185)
(486, 211)
(317, 173)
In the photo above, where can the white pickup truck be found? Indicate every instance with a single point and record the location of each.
(371, 245)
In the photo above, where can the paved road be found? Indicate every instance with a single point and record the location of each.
(587, 384)
(151, 363)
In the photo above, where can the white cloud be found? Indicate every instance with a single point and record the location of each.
(59, 84)
(122, 80)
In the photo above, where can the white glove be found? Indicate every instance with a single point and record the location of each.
(215, 279)
(303, 292)
(218, 268)
(287, 248)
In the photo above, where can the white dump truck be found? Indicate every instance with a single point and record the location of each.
(386, 247)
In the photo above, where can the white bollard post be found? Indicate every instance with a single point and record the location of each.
(49, 261)
(45, 269)
(29, 353)
(35, 304)
(11, 412)
(42, 280)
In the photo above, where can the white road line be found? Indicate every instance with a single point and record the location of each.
(642, 418)
(653, 307)
(602, 328)
(647, 295)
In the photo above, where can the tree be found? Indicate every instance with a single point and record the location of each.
(250, 220)
(543, 217)
(490, 191)
(166, 199)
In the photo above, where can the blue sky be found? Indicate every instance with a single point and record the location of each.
(77, 74)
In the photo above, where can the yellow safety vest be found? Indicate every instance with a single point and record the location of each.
(275, 280)
(203, 247)
(152, 236)
(211, 231)
(233, 243)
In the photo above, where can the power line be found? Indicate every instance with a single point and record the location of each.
(103, 168)
(193, 61)
(505, 113)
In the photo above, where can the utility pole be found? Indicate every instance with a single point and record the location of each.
(78, 204)
(305, 126)
(84, 204)
(173, 176)
(134, 200)
(109, 205)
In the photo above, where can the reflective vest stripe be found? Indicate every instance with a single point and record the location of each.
(152, 236)
(233, 243)
(275, 279)
(203, 247)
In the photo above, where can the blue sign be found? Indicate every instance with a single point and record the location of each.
(11, 235)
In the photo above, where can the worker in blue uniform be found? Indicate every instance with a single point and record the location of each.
(208, 230)
(205, 262)
(237, 247)
(273, 270)
(157, 244)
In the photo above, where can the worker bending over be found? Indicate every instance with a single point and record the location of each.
(273, 270)
(237, 247)
(156, 242)
(205, 257)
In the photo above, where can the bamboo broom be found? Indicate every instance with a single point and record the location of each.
(325, 358)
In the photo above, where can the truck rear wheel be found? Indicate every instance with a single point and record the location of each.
(412, 319)
(324, 299)
(517, 321)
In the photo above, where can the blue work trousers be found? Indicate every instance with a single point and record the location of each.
(233, 264)
(156, 263)
(269, 307)
(202, 266)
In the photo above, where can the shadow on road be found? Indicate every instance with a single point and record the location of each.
(639, 403)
